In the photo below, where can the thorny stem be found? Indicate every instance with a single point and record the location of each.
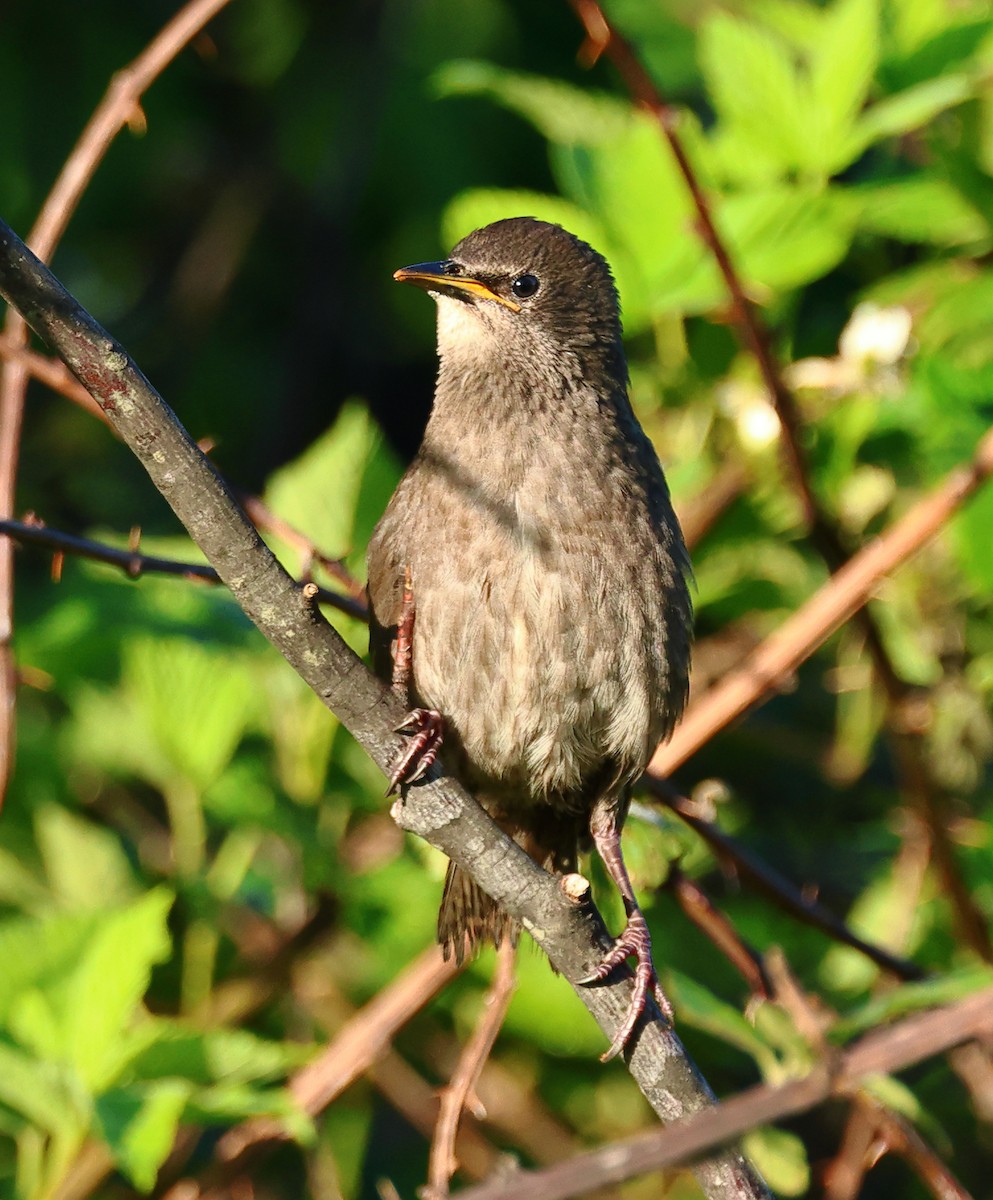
(119, 107)
(134, 563)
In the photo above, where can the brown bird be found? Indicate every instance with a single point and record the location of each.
(544, 630)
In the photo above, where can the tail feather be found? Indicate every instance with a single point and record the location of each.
(468, 917)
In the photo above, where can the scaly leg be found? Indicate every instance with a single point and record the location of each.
(635, 940)
(426, 726)
(403, 647)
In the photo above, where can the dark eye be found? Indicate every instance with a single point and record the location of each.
(525, 286)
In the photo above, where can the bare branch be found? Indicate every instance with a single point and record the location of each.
(769, 881)
(916, 777)
(572, 934)
(902, 1138)
(718, 929)
(826, 611)
(884, 1051)
(461, 1091)
(51, 372)
(134, 563)
(262, 517)
(119, 107)
(604, 39)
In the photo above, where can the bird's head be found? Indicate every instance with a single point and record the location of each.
(527, 291)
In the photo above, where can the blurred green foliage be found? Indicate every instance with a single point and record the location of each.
(198, 877)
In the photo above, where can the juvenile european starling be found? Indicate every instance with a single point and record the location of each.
(551, 619)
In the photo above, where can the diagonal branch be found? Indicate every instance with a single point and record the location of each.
(825, 612)
(884, 1051)
(604, 39)
(571, 933)
(778, 888)
(119, 107)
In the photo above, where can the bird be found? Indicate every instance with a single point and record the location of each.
(528, 582)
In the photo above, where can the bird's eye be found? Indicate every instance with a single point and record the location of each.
(525, 286)
(452, 268)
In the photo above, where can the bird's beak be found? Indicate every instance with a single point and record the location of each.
(435, 277)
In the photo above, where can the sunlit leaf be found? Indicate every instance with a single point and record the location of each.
(139, 1124)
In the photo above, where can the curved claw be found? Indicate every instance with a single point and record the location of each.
(635, 941)
(427, 728)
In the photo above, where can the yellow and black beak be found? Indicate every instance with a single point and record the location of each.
(440, 277)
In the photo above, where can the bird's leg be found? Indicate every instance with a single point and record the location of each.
(403, 647)
(426, 726)
(635, 940)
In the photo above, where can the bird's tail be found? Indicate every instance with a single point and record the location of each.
(468, 917)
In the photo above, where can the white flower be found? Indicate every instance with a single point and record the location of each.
(876, 335)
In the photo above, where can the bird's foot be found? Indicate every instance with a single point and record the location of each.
(427, 729)
(634, 942)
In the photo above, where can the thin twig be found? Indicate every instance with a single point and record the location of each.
(900, 1137)
(264, 519)
(916, 777)
(134, 563)
(717, 927)
(771, 883)
(884, 1051)
(119, 107)
(604, 39)
(825, 612)
(49, 371)
(461, 1090)
(845, 1174)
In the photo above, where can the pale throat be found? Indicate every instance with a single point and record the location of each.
(465, 337)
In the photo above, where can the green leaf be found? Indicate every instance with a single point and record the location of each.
(908, 110)
(971, 531)
(303, 732)
(85, 863)
(42, 1092)
(319, 492)
(235, 1102)
(633, 185)
(841, 69)
(20, 886)
(222, 1056)
(106, 990)
(564, 114)
(798, 23)
(782, 238)
(83, 1014)
(911, 22)
(700, 1008)
(762, 102)
(910, 998)
(197, 702)
(921, 209)
(875, 915)
(780, 1158)
(139, 1125)
(37, 953)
